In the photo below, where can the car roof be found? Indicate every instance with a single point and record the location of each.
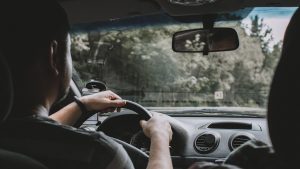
(83, 11)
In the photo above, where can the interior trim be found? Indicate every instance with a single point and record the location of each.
(75, 89)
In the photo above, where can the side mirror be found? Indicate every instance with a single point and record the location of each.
(205, 40)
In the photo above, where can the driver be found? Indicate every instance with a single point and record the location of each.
(35, 39)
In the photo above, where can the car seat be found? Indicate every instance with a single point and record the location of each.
(8, 159)
(283, 106)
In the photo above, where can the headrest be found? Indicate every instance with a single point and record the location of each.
(284, 99)
(6, 89)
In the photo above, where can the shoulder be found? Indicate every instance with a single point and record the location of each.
(92, 148)
(113, 154)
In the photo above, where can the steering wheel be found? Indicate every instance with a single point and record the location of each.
(138, 157)
(140, 110)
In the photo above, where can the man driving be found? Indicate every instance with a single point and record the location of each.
(35, 39)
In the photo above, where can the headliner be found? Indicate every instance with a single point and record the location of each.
(82, 11)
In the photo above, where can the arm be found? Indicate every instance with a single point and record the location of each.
(99, 102)
(67, 115)
(160, 133)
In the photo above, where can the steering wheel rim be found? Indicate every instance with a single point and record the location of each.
(137, 108)
(130, 105)
(137, 156)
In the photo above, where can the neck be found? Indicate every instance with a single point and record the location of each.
(40, 110)
(31, 106)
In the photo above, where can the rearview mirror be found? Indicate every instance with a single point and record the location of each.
(205, 40)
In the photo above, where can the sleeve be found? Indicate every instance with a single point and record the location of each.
(120, 160)
(109, 154)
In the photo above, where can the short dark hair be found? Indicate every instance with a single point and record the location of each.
(27, 29)
(30, 25)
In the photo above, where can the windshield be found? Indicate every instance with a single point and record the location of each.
(134, 57)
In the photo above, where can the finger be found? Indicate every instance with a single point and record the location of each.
(117, 103)
(171, 136)
(114, 95)
(143, 123)
(154, 113)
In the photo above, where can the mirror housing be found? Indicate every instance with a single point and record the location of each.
(93, 84)
(205, 40)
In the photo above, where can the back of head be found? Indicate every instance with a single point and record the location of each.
(30, 25)
(27, 29)
(283, 108)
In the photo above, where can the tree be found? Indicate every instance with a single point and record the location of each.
(140, 65)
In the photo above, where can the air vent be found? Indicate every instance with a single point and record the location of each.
(207, 142)
(239, 140)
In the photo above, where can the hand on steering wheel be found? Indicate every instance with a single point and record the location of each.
(106, 101)
(157, 126)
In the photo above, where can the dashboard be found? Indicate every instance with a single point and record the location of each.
(194, 138)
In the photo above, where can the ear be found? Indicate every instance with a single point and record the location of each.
(53, 58)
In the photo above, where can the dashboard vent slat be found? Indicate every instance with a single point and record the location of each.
(239, 140)
(206, 142)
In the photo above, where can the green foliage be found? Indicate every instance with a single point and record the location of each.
(140, 65)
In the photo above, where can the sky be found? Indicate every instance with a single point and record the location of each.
(275, 18)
